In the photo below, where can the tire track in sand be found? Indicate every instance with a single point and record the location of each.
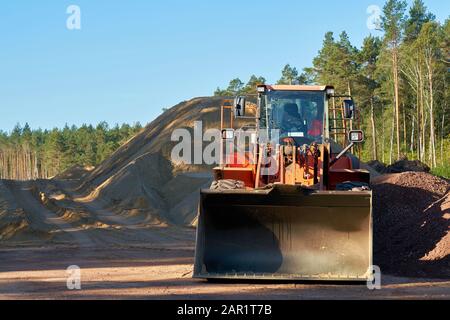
(41, 216)
(138, 231)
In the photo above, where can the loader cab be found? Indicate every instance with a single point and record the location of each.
(296, 112)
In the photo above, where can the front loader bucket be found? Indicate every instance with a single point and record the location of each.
(285, 233)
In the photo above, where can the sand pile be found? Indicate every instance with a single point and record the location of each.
(411, 224)
(16, 224)
(51, 198)
(76, 172)
(138, 183)
(12, 219)
(140, 176)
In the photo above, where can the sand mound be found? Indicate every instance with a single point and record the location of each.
(13, 221)
(51, 198)
(76, 172)
(411, 224)
(16, 224)
(140, 175)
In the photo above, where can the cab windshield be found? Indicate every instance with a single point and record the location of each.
(299, 115)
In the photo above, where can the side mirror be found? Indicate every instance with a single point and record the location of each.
(239, 107)
(349, 109)
(356, 136)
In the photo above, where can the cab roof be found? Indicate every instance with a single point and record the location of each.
(296, 87)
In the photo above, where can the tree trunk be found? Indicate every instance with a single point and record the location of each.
(432, 128)
(422, 118)
(412, 137)
(405, 141)
(391, 150)
(419, 144)
(442, 138)
(374, 135)
(396, 96)
(383, 136)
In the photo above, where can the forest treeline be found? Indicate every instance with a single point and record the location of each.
(399, 81)
(34, 154)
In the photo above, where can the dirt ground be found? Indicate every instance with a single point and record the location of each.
(126, 224)
(138, 272)
(133, 256)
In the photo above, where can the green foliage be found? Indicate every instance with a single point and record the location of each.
(442, 171)
(234, 88)
(418, 16)
(336, 63)
(399, 82)
(237, 87)
(367, 60)
(393, 21)
(59, 149)
(251, 85)
(288, 75)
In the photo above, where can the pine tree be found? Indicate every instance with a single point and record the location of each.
(288, 75)
(368, 57)
(428, 42)
(418, 16)
(392, 22)
(346, 62)
(252, 83)
(324, 65)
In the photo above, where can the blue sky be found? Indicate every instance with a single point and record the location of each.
(132, 58)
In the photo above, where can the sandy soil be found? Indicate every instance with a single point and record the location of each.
(146, 273)
(124, 256)
(122, 224)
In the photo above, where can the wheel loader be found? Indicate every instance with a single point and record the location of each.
(294, 203)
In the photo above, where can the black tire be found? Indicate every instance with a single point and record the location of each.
(221, 185)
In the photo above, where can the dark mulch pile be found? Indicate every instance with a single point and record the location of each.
(411, 224)
(400, 166)
(378, 166)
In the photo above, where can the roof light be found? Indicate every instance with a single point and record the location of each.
(262, 89)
